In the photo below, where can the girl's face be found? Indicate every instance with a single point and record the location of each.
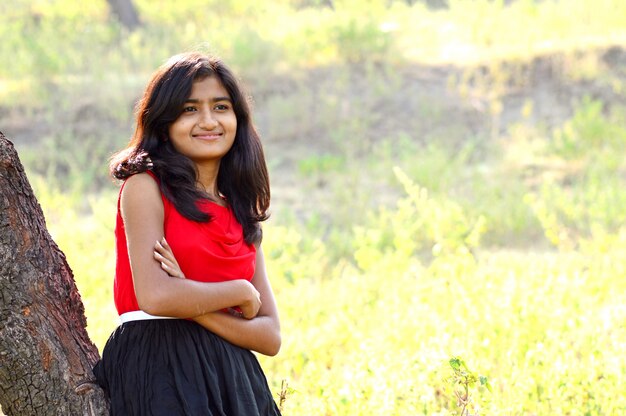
(205, 131)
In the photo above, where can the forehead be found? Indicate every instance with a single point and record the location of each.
(208, 87)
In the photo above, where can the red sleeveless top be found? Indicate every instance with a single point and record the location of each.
(213, 251)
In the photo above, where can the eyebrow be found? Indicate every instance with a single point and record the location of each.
(215, 100)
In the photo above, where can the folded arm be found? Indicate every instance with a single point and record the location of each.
(157, 293)
(261, 334)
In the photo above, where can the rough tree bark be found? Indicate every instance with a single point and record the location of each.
(46, 355)
(126, 12)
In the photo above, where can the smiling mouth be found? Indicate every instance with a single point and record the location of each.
(207, 136)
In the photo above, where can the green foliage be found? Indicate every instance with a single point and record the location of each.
(590, 129)
(399, 246)
(362, 39)
(317, 165)
(569, 214)
(586, 195)
(51, 43)
(74, 172)
(251, 50)
(463, 379)
(545, 326)
(420, 222)
(283, 247)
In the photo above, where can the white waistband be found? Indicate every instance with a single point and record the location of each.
(140, 316)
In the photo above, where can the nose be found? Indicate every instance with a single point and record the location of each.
(207, 120)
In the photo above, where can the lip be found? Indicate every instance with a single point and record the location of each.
(207, 136)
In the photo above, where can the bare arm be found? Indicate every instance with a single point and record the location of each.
(158, 293)
(261, 334)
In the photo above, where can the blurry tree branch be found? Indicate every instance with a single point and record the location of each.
(126, 12)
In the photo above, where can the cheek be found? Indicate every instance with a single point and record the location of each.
(233, 125)
(176, 136)
(178, 128)
(173, 129)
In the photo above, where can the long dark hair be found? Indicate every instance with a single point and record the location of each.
(242, 176)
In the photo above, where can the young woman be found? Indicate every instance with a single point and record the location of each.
(190, 284)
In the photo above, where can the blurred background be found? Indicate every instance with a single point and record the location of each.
(448, 184)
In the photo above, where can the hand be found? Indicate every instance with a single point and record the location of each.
(250, 308)
(164, 255)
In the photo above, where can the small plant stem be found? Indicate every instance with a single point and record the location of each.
(466, 399)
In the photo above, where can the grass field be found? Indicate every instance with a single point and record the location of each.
(474, 218)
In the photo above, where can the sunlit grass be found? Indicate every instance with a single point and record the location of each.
(473, 32)
(508, 251)
(371, 331)
(72, 38)
(547, 328)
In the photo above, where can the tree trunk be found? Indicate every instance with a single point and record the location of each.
(46, 356)
(126, 12)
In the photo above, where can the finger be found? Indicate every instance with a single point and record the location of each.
(169, 264)
(162, 247)
(165, 254)
(158, 247)
(161, 258)
(172, 271)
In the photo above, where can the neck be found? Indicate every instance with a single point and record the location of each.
(207, 178)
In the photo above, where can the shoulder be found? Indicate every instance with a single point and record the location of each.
(140, 184)
(141, 179)
(141, 191)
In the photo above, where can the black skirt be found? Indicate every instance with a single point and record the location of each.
(176, 367)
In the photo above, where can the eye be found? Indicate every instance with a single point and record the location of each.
(189, 109)
(222, 107)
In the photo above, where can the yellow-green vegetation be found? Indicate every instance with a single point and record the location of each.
(450, 270)
(372, 331)
(77, 44)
